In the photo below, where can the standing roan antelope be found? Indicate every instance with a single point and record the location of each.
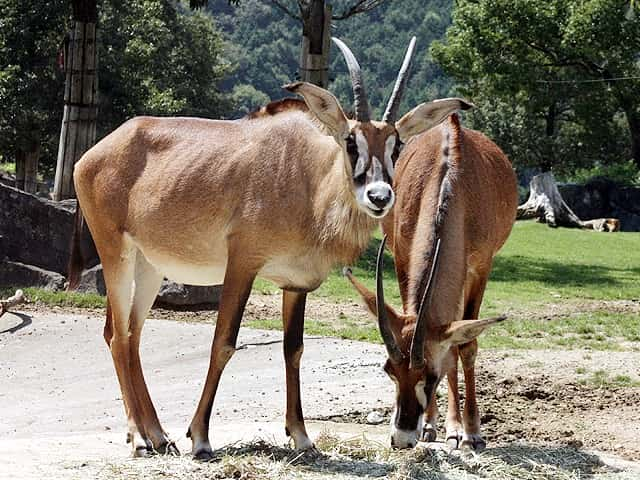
(456, 200)
(285, 193)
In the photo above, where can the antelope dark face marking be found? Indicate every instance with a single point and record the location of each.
(373, 151)
(414, 390)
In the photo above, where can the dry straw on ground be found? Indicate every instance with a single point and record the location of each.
(358, 457)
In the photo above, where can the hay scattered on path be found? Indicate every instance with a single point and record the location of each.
(358, 457)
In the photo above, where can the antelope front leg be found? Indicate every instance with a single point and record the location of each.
(471, 438)
(235, 292)
(429, 431)
(293, 304)
(453, 423)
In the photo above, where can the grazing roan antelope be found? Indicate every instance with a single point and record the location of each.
(285, 194)
(456, 200)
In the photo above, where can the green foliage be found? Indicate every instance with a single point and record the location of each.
(9, 168)
(155, 57)
(30, 82)
(264, 45)
(626, 173)
(158, 58)
(504, 52)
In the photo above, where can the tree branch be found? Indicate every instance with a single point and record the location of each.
(290, 13)
(360, 6)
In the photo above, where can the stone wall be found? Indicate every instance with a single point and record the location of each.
(603, 198)
(37, 231)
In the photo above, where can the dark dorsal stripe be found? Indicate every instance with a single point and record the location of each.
(444, 199)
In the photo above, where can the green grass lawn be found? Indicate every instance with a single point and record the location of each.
(553, 284)
(537, 267)
(9, 168)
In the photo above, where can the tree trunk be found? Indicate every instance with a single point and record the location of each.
(633, 119)
(78, 130)
(27, 169)
(31, 170)
(316, 33)
(546, 204)
(20, 164)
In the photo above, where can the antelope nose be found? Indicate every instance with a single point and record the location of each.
(379, 196)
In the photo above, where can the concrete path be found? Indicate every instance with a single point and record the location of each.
(60, 402)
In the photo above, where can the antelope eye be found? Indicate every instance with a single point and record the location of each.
(397, 150)
(352, 148)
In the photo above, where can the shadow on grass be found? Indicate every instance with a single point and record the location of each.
(524, 269)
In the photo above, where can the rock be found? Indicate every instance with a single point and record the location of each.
(375, 418)
(36, 231)
(177, 294)
(92, 281)
(16, 274)
(602, 198)
(171, 293)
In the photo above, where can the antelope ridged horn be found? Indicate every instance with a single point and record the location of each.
(361, 104)
(416, 359)
(391, 112)
(394, 352)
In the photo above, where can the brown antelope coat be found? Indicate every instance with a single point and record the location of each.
(455, 184)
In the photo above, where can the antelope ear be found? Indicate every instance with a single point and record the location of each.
(397, 320)
(464, 331)
(324, 106)
(428, 115)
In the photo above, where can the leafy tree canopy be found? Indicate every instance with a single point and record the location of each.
(264, 44)
(154, 57)
(544, 75)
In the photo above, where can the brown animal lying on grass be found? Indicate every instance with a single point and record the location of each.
(456, 200)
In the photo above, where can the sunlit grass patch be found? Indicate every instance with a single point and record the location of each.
(595, 330)
(343, 328)
(602, 379)
(60, 299)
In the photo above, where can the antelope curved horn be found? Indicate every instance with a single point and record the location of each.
(416, 360)
(359, 93)
(395, 354)
(391, 112)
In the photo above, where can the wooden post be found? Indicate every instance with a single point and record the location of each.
(316, 35)
(27, 156)
(31, 170)
(20, 164)
(78, 132)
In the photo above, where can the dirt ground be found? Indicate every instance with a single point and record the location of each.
(62, 415)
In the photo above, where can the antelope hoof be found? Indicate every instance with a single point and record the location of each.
(429, 434)
(473, 442)
(168, 448)
(301, 440)
(140, 448)
(203, 455)
(141, 451)
(453, 439)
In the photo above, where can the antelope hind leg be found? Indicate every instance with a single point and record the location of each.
(118, 259)
(147, 285)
